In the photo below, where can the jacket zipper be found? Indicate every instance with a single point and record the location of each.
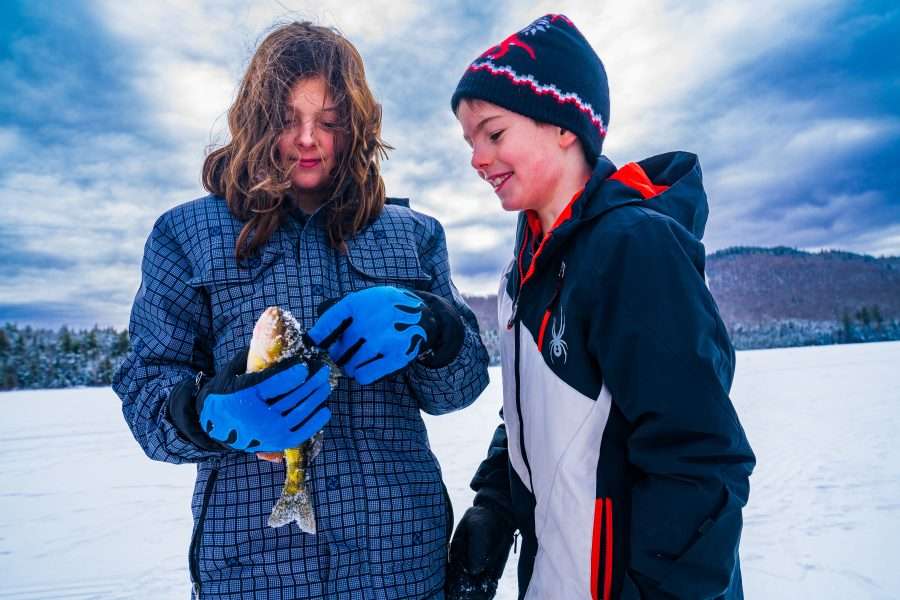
(514, 323)
(520, 283)
(194, 551)
(519, 411)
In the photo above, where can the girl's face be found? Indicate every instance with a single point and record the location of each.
(519, 158)
(309, 144)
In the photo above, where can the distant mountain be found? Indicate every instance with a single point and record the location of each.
(485, 308)
(771, 297)
(757, 285)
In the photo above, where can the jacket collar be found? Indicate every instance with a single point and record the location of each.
(668, 183)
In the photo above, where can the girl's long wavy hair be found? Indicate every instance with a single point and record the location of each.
(247, 171)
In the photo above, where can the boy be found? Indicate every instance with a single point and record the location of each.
(621, 460)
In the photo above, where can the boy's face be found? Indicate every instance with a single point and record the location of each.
(521, 159)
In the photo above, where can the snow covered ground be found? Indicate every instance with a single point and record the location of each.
(84, 514)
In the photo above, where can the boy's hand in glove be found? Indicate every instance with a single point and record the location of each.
(478, 554)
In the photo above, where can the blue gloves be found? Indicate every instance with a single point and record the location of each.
(374, 332)
(269, 411)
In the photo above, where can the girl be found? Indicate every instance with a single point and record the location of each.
(297, 217)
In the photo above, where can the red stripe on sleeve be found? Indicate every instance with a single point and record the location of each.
(607, 574)
(595, 547)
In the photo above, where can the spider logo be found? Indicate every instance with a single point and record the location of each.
(558, 346)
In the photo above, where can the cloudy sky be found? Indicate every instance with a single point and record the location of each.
(107, 110)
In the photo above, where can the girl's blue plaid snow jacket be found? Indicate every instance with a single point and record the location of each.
(382, 511)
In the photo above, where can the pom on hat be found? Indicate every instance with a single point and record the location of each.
(549, 72)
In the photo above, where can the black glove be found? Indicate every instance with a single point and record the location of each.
(446, 331)
(478, 554)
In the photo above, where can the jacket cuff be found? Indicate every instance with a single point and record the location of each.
(185, 416)
(445, 329)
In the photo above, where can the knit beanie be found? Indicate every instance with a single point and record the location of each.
(548, 72)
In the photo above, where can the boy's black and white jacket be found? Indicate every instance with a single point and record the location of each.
(621, 457)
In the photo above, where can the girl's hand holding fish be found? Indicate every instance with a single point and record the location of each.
(268, 411)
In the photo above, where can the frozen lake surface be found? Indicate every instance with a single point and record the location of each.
(84, 514)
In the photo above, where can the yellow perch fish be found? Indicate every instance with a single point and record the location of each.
(278, 336)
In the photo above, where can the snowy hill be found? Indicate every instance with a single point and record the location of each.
(84, 514)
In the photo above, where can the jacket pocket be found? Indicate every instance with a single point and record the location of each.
(707, 567)
(222, 270)
(231, 288)
(391, 263)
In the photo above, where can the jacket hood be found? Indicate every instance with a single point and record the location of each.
(670, 183)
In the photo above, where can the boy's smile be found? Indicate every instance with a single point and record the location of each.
(497, 181)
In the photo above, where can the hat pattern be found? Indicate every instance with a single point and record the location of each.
(487, 63)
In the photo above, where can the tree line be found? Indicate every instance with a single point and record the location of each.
(33, 358)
